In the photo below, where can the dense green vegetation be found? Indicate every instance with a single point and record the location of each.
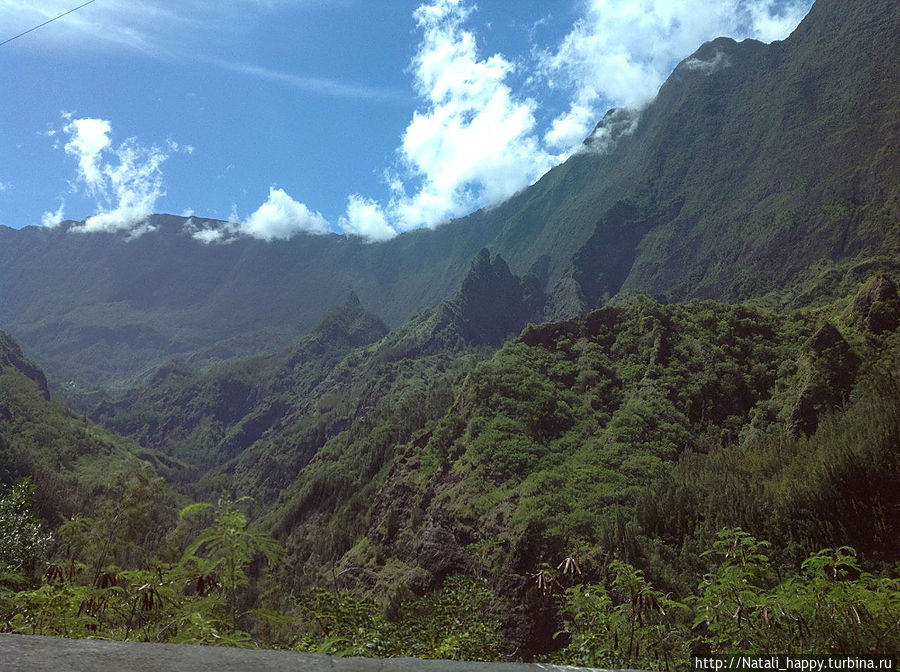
(206, 417)
(251, 425)
(621, 442)
(68, 459)
(635, 432)
(739, 606)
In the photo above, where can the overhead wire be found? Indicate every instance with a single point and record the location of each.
(15, 37)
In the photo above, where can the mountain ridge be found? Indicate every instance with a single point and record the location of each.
(753, 164)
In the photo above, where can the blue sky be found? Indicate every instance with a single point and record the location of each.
(356, 116)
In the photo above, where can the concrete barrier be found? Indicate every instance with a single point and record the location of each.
(27, 653)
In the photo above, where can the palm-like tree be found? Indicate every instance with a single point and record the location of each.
(228, 546)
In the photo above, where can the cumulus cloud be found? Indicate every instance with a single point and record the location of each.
(126, 180)
(770, 22)
(366, 218)
(475, 139)
(474, 142)
(53, 218)
(279, 218)
(88, 139)
(567, 130)
(621, 51)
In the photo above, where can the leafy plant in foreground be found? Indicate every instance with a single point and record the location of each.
(227, 547)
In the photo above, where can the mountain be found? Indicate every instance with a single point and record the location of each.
(206, 417)
(634, 432)
(254, 423)
(13, 361)
(757, 166)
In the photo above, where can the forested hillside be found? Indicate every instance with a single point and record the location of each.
(637, 436)
(635, 432)
(69, 459)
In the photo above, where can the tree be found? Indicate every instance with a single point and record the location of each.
(227, 548)
(22, 539)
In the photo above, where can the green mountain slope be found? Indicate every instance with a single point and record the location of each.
(755, 164)
(634, 432)
(205, 418)
(71, 461)
(251, 425)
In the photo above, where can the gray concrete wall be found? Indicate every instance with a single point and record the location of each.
(23, 653)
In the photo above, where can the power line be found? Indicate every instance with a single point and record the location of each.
(46, 22)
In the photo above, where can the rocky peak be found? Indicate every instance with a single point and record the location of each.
(491, 300)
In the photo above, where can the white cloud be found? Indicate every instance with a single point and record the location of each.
(137, 25)
(770, 22)
(366, 218)
(474, 143)
(5, 186)
(127, 180)
(279, 218)
(621, 51)
(475, 140)
(209, 235)
(89, 137)
(716, 63)
(568, 130)
(615, 124)
(318, 86)
(149, 26)
(157, 28)
(51, 218)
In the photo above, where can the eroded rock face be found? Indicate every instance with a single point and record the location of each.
(879, 305)
(439, 552)
(11, 356)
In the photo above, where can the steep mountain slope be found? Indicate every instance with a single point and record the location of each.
(754, 164)
(251, 425)
(205, 418)
(632, 432)
(70, 460)
(386, 461)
